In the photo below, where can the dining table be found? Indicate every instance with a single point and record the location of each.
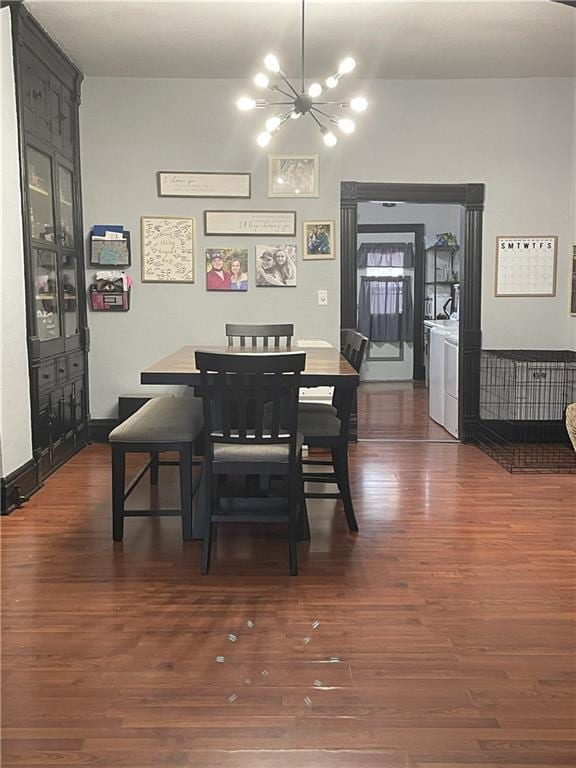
(325, 367)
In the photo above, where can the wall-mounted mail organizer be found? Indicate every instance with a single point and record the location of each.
(110, 292)
(110, 245)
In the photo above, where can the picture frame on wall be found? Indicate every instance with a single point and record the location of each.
(168, 249)
(319, 240)
(203, 184)
(227, 269)
(276, 266)
(250, 223)
(293, 176)
(573, 283)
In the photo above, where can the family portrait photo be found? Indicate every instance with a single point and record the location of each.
(227, 269)
(318, 240)
(275, 266)
(293, 176)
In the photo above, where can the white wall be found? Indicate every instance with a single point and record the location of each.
(513, 135)
(15, 429)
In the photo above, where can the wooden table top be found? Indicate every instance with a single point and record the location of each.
(325, 366)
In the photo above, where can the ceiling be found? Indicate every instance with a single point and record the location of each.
(458, 39)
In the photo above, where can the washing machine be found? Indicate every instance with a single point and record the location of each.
(451, 384)
(436, 388)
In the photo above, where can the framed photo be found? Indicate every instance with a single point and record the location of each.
(276, 266)
(293, 176)
(250, 223)
(526, 266)
(168, 249)
(227, 269)
(203, 184)
(573, 283)
(319, 240)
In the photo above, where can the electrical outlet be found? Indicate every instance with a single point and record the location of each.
(322, 297)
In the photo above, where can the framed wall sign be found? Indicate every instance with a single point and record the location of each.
(203, 184)
(526, 266)
(168, 249)
(250, 223)
(293, 176)
(319, 240)
(573, 283)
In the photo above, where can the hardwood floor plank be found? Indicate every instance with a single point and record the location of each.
(445, 635)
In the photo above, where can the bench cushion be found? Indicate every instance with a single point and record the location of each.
(162, 420)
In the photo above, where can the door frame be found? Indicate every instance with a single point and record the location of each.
(418, 372)
(471, 197)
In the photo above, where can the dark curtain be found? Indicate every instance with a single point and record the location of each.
(386, 255)
(385, 310)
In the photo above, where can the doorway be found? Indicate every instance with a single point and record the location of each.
(424, 243)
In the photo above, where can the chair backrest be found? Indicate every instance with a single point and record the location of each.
(260, 335)
(250, 398)
(355, 349)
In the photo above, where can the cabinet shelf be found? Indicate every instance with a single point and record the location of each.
(441, 282)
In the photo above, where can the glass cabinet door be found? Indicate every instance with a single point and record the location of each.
(70, 295)
(40, 196)
(66, 202)
(45, 266)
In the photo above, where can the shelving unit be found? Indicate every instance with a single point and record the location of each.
(447, 259)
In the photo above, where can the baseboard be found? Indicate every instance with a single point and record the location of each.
(99, 429)
(18, 486)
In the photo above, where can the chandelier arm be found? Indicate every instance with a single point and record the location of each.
(280, 104)
(332, 103)
(289, 84)
(318, 123)
(284, 93)
(326, 114)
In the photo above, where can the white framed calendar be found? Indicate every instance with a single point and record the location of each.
(526, 266)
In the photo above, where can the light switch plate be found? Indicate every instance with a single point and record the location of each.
(322, 297)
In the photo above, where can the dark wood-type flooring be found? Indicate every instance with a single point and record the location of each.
(445, 633)
(397, 410)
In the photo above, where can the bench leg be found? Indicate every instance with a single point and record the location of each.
(154, 469)
(186, 490)
(118, 471)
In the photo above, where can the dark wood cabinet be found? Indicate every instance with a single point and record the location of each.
(48, 97)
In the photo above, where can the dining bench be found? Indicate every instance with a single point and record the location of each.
(160, 425)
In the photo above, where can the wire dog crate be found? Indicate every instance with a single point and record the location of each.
(523, 399)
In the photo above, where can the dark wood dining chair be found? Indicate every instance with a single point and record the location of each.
(250, 422)
(327, 426)
(260, 335)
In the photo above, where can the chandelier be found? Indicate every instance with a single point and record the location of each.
(302, 102)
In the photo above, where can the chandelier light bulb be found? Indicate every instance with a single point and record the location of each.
(314, 90)
(346, 125)
(346, 66)
(245, 103)
(263, 139)
(272, 63)
(261, 80)
(358, 104)
(272, 124)
(329, 139)
(295, 115)
(332, 81)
